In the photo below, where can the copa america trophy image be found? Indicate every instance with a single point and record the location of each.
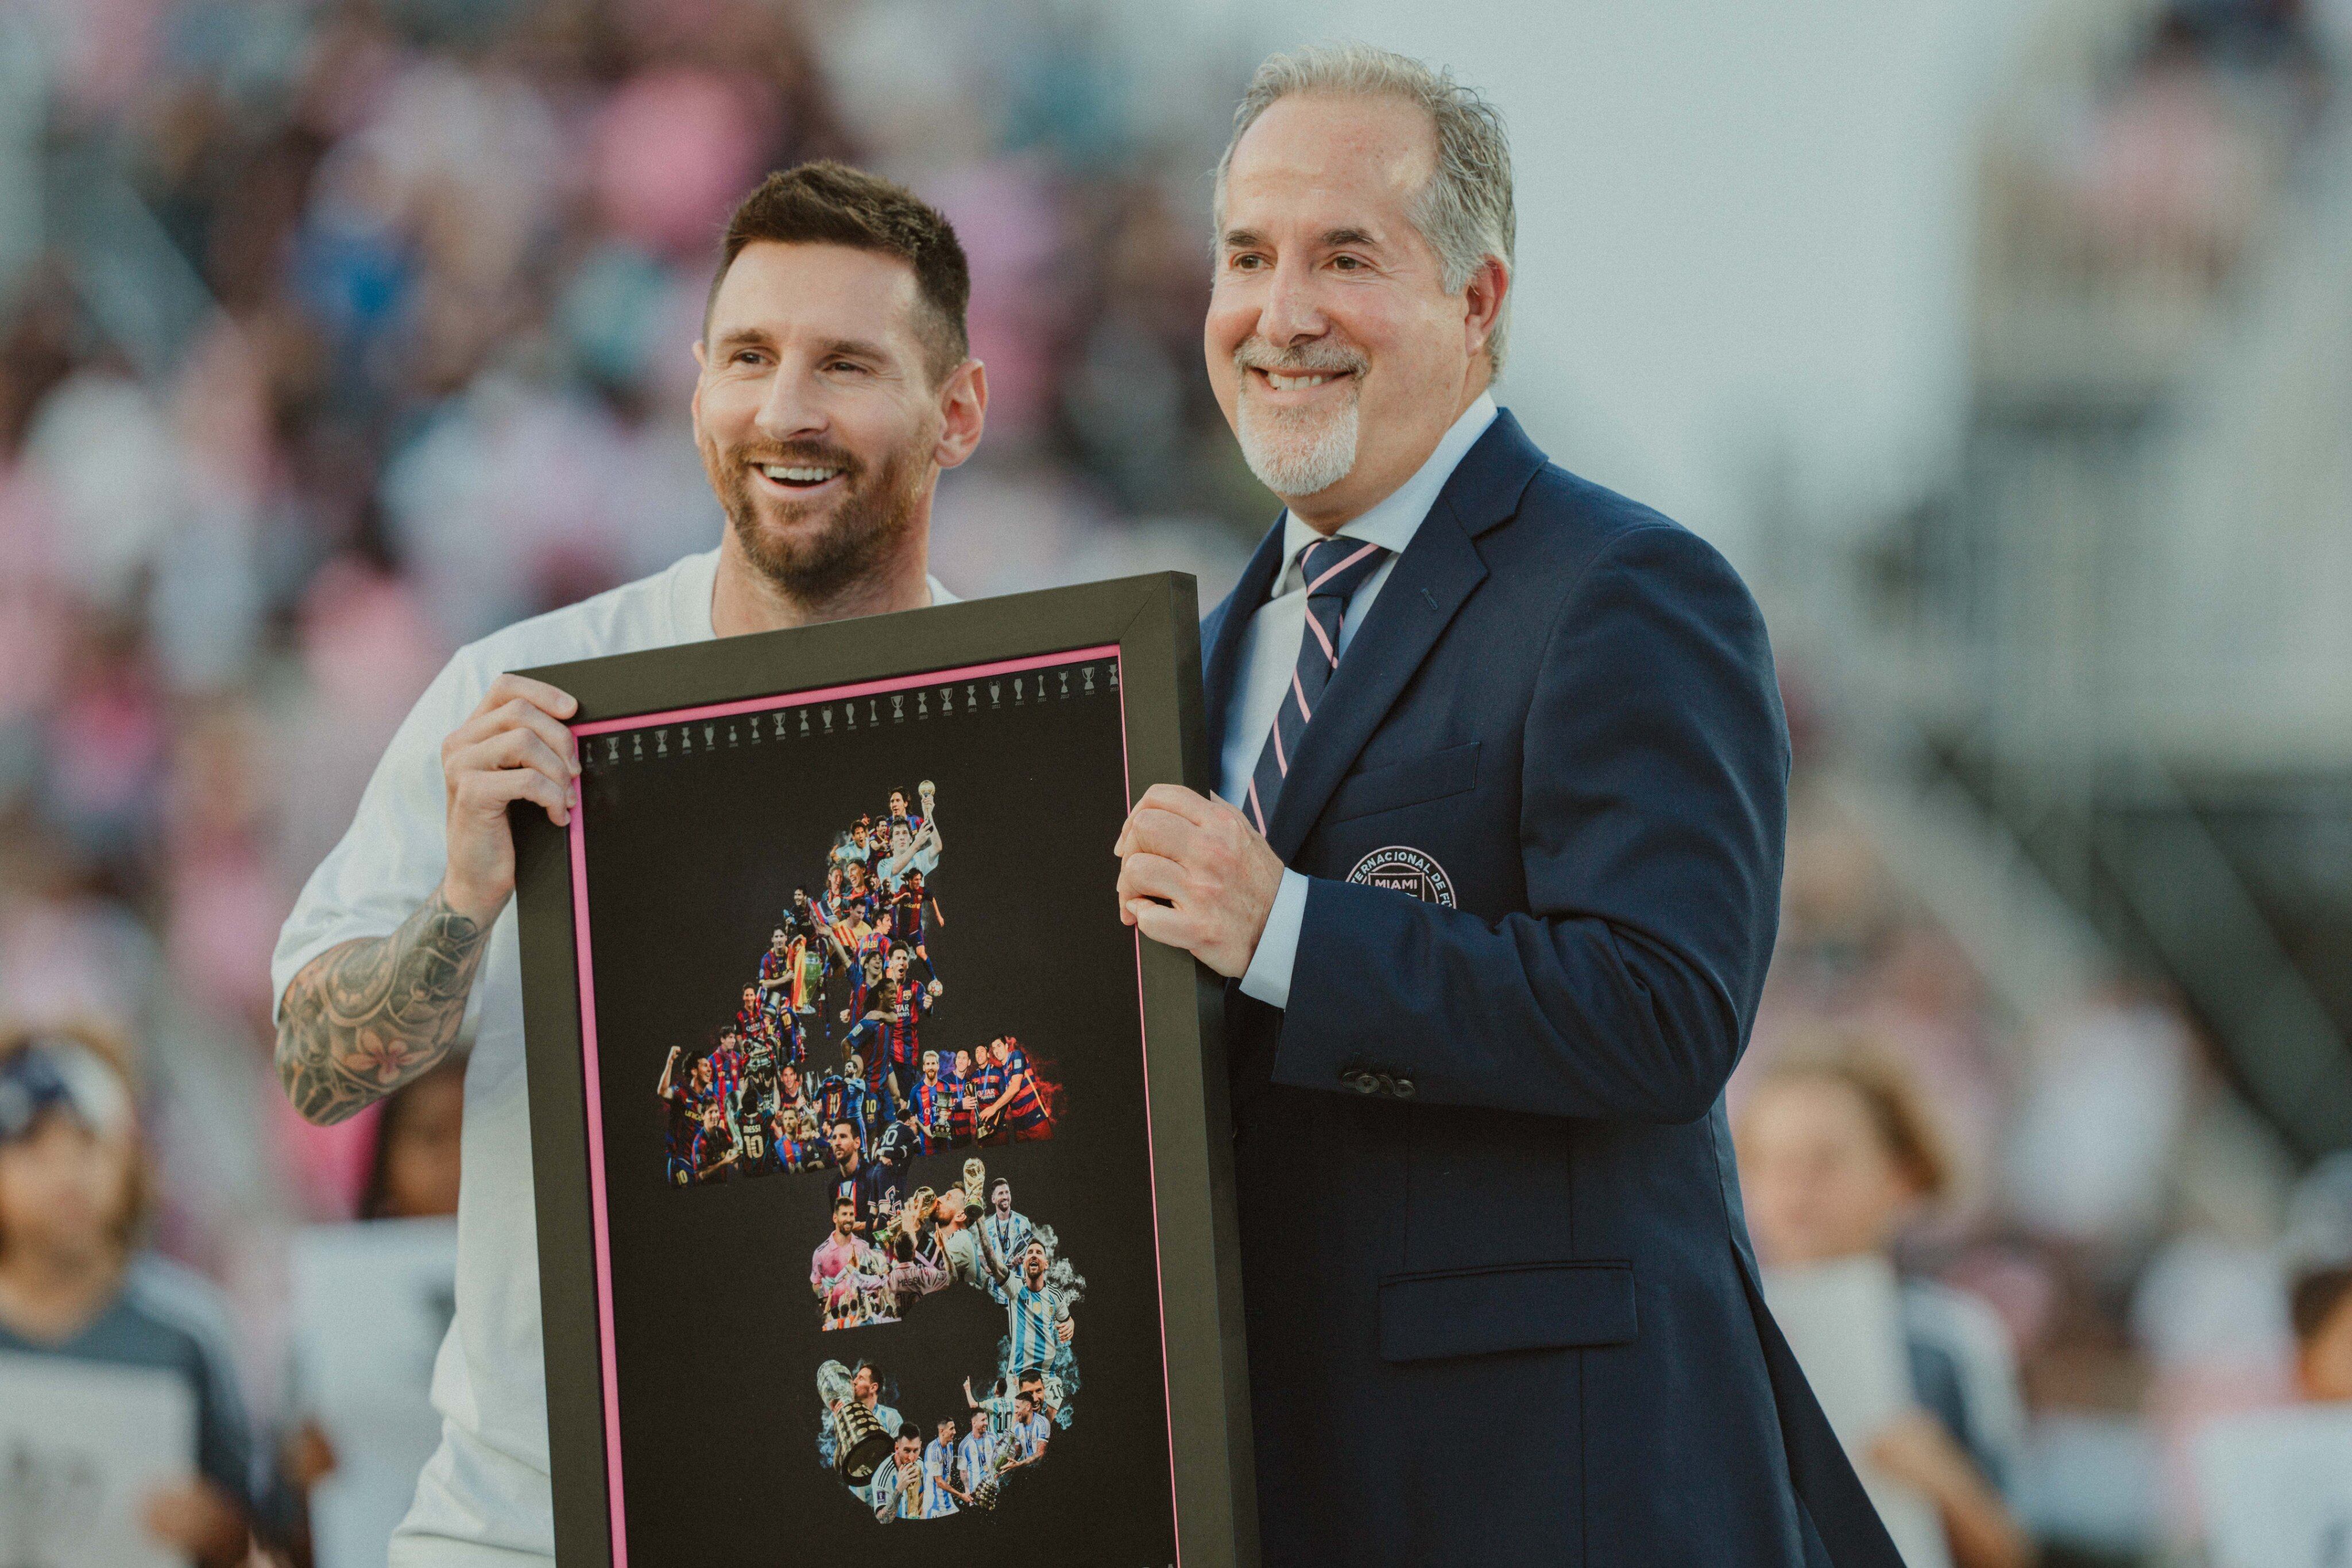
(860, 1442)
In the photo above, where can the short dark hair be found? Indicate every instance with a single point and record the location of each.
(832, 203)
(2313, 1298)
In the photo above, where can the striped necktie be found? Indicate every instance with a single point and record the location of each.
(1334, 568)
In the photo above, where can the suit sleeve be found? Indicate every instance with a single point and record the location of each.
(1654, 804)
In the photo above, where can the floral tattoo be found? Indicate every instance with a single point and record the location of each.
(363, 1018)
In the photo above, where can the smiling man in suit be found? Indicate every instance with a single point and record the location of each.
(1494, 880)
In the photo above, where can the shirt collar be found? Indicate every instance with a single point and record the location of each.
(1397, 516)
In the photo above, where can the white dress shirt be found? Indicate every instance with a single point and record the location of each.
(1269, 653)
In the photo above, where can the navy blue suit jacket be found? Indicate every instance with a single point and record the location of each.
(1500, 1298)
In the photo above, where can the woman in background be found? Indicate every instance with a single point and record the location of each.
(1836, 1156)
(414, 1176)
(74, 1284)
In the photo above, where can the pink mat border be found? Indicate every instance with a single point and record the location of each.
(591, 1070)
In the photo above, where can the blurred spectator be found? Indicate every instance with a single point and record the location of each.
(75, 1282)
(1837, 1155)
(415, 1174)
(2274, 1488)
(2323, 1332)
(2100, 1123)
(2318, 1247)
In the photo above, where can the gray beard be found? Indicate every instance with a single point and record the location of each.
(1291, 457)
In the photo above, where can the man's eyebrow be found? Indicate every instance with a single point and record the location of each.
(848, 348)
(856, 349)
(1244, 239)
(739, 338)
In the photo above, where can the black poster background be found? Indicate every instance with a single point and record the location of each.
(691, 857)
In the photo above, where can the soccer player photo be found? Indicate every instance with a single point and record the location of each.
(865, 1125)
(843, 994)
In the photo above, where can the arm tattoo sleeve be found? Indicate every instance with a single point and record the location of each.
(363, 1018)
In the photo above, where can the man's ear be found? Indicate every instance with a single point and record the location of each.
(963, 413)
(694, 403)
(1483, 299)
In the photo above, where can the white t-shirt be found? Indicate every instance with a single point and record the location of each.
(486, 1490)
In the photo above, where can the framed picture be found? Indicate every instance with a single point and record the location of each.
(882, 1171)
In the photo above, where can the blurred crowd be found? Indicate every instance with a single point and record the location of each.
(2145, 151)
(2154, 1258)
(335, 335)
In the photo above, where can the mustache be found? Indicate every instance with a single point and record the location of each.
(1258, 354)
(800, 455)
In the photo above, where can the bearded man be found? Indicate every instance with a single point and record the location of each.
(836, 383)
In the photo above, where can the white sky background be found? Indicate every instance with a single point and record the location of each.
(1743, 231)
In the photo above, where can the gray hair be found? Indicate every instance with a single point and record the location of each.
(1465, 211)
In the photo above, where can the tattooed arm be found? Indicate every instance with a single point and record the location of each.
(364, 1017)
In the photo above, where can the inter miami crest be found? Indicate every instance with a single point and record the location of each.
(1408, 871)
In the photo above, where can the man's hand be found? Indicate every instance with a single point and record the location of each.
(514, 746)
(1196, 876)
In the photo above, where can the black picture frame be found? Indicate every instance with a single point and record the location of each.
(1148, 629)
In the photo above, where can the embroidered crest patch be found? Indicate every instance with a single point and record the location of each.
(1408, 871)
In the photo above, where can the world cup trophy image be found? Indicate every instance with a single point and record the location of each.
(859, 1443)
(975, 1181)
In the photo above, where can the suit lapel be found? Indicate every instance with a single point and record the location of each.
(1232, 620)
(1429, 583)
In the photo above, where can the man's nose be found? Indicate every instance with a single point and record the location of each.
(794, 408)
(1292, 311)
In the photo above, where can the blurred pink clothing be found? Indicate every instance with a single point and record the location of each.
(675, 150)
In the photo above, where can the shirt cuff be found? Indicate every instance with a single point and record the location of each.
(1268, 979)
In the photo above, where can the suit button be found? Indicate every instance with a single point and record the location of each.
(1405, 1088)
(1363, 1082)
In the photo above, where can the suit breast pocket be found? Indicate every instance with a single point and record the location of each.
(1414, 781)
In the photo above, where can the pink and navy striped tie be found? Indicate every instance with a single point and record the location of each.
(1334, 568)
